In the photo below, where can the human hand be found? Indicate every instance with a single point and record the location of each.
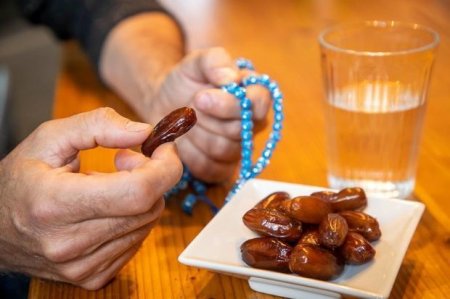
(212, 149)
(63, 225)
(142, 60)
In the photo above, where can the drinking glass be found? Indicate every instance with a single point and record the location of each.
(376, 77)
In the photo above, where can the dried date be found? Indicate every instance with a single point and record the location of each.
(273, 200)
(315, 262)
(326, 195)
(310, 236)
(266, 253)
(308, 209)
(327, 227)
(172, 126)
(332, 231)
(273, 223)
(349, 199)
(356, 249)
(363, 224)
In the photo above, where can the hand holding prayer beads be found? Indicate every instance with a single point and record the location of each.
(248, 168)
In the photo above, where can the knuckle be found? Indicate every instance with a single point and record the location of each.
(55, 251)
(101, 114)
(41, 213)
(136, 238)
(171, 176)
(23, 225)
(219, 49)
(94, 284)
(221, 52)
(74, 273)
(147, 192)
(44, 128)
(103, 267)
(141, 197)
(262, 106)
(222, 174)
(104, 112)
(177, 170)
(234, 130)
(224, 149)
(117, 227)
(35, 221)
(101, 278)
(155, 212)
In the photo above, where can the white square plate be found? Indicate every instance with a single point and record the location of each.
(217, 247)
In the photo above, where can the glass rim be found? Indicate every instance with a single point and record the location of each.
(380, 24)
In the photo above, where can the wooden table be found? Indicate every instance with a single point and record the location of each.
(280, 38)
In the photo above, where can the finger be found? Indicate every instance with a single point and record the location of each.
(98, 261)
(127, 159)
(201, 166)
(222, 105)
(102, 278)
(259, 95)
(230, 129)
(103, 127)
(81, 239)
(114, 228)
(216, 106)
(91, 283)
(73, 166)
(213, 65)
(217, 103)
(216, 147)
(261, 101)
(77, 197)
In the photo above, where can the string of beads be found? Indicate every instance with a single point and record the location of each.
(248, 169)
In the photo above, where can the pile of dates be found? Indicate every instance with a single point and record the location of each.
(313, 236)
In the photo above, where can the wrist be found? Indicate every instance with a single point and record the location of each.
(138, 54)
(3, 222)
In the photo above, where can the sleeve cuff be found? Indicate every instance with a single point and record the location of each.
(94, 28)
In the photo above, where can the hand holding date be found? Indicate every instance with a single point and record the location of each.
(60, 224)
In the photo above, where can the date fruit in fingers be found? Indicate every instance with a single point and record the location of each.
(172, 126)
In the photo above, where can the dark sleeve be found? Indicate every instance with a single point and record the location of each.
(88, 21)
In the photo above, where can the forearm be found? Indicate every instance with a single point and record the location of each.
(3, 250)
(6, 252)
(137, 55)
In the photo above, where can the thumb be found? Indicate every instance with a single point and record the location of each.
(58, 141)
(213, 65)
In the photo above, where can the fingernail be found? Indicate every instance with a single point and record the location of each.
(225, 75)
(132, 126)
(204, 102)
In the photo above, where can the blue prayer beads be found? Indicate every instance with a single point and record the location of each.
(248, 169)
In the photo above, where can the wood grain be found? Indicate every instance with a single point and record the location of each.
(280, 38)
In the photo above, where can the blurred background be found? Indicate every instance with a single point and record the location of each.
(26, 93)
